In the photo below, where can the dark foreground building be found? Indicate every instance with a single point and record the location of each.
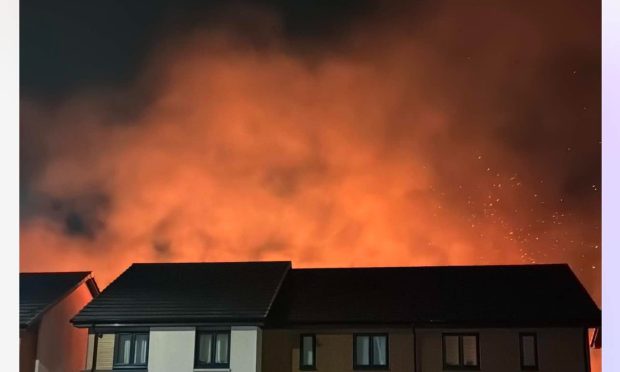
(47, 301)
(269, 317)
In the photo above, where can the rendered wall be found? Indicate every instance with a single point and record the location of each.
(60, 346)
(245, 349)
(171, 349)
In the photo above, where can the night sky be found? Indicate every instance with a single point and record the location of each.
(330, 133)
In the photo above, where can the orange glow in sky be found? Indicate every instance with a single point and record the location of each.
(390, 151)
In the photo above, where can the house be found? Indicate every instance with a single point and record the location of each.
(269, 317)
(182, 317)
(47, 301)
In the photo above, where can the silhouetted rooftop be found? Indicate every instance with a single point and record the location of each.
(273, 294)
(456, 295)
(40, 291)
(188, 292)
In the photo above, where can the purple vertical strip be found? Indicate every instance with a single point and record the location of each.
(611, 184)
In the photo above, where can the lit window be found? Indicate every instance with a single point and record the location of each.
(370, 351)
(307, 357)
(460, 351)
(529, 352)
(212, 349)
(131, 350)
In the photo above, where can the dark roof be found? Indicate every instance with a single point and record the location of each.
(187, 293)
(458, 295)
(40, 291)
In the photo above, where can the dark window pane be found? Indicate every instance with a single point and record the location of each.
(123, 349)
(204, 348)
(141, 346)
(362, 350)
(307, 353)
(221, 348)
(470, 352)
(451, 346)
(528, 346)
(379, 350)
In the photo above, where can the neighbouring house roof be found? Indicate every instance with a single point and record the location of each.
(40, 291)
(534, 295)
(183, 293)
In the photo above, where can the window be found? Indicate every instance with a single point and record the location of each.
(370, 351)
(307, 352)
(529, 352)
(131, 350)
(212, 349)
(460, 351)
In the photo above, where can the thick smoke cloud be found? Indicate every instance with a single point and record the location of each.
(470, 136)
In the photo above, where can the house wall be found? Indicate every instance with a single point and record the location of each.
(27, 349)
(105, 351)
(172, 349)
(270, 350)
(559, 349)
(245, 349)
(278, 350)
(334, 349)
(60, 346)
(90, 348)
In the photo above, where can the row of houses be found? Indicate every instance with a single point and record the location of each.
(270, 317)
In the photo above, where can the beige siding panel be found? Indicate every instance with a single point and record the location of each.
(105, 352)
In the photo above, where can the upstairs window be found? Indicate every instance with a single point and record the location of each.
(460, 351)
(307, 349)
(131, 350)
(529, 353)
(370, 351)
(212, 349)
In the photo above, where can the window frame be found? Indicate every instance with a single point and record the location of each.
(371, 365)
(214, 333)
(461, 365)
(302, 366)
(521, 351)
(132, 350)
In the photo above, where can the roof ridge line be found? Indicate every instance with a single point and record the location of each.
(433, 266)
(56, 272)
(278, 287)
(207, 262)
